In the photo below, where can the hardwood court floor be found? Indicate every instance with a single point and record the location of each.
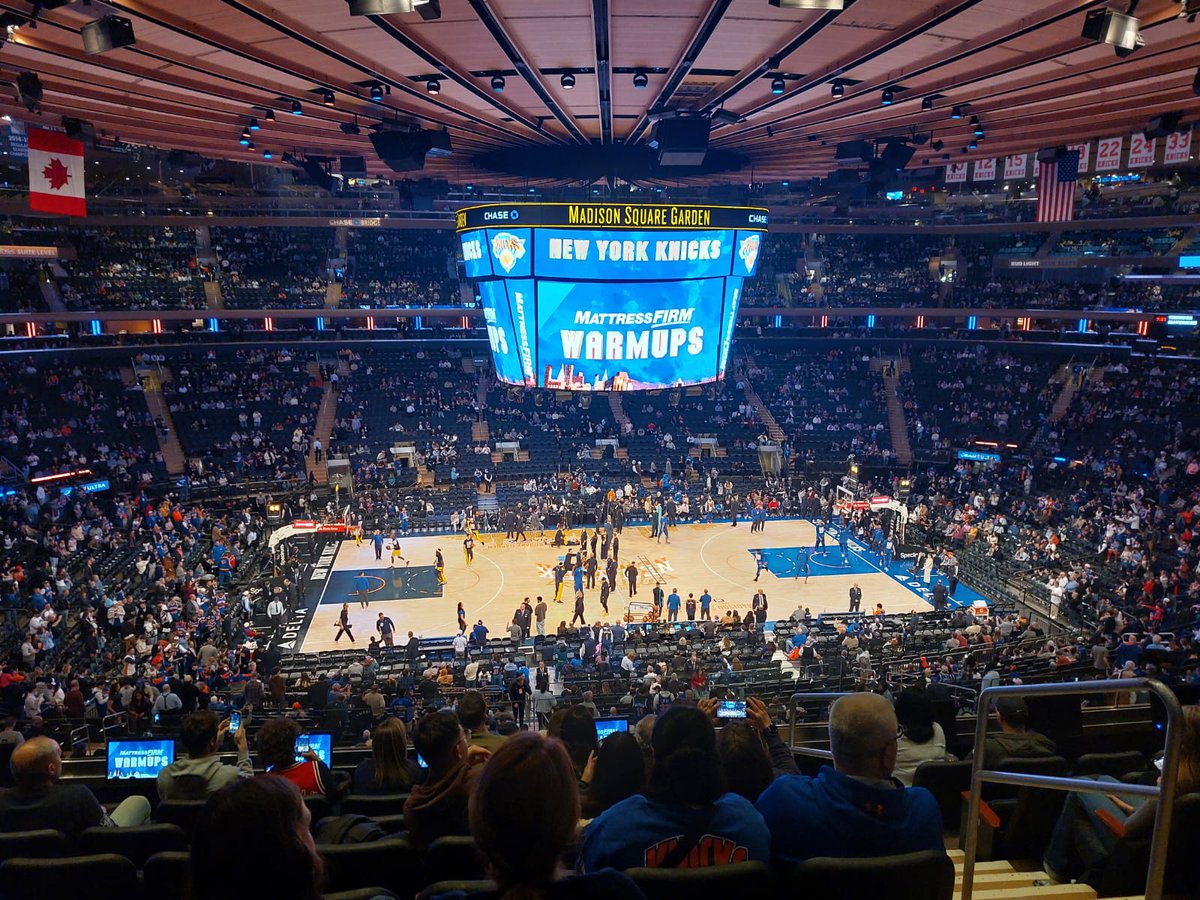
(714, 557)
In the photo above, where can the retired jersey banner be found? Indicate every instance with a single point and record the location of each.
(1141, 151)
(985, 169)
(1178, 147)
(1083, 155)
(1016, 166)
(956, 173)
(56, 174)
(1108, 154)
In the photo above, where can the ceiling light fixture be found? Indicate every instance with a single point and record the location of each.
(887, 97)
(433, 86)
(267, 154)
(956, 112)
(253, 125)
(297, 109)
(837, 89)
(777, 85)
(926, 103)
(498, 84)
(640, 80)
(244, 140)
(567, 81)
(269, 115)
(376, 92)
(327, 97)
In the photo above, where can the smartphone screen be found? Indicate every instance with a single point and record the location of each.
(235, 722)
(731, 709)
(421, 762)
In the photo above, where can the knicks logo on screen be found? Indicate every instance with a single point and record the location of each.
(508, 248)
(748, 251)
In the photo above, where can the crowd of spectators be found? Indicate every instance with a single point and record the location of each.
(402, 267)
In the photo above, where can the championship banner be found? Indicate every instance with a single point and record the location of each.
(956, 173)
(985, 169)
(1016, 166)
(1108, 154)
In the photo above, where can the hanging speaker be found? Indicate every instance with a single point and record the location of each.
(402, 151)
(108, 33)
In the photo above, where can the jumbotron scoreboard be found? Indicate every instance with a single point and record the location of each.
(610, 297)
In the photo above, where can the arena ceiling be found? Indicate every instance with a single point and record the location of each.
(201, 69)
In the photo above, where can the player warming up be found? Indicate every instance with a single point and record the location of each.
(760, 564)
(439, 563)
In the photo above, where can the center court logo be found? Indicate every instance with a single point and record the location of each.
(508, 248)
(748, 250)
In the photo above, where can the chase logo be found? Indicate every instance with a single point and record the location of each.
(514, 215)
(507, 248)
(748, 251)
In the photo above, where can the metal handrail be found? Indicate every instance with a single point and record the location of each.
(1165, 791)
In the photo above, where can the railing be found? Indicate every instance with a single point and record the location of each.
(1165, 791)
(795, 701)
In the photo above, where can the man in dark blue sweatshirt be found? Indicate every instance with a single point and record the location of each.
(855, 809)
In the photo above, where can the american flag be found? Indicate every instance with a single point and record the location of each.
(1056, 188)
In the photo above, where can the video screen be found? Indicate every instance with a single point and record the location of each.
(139, 758)
(628, 336)
(605, 727)
(610, 297)
(321, 744)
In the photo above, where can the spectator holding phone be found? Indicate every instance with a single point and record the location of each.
(201, 772)
(277, 753)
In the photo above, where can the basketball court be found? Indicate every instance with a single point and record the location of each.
(715, 557)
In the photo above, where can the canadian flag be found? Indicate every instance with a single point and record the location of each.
(56, 173)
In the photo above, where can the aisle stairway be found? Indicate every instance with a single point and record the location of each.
(999, 880)
(168, 438)
(897, 425)
(323, 430)
(617, 405)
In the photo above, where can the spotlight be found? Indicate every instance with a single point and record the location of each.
(498, 84)
(267, 154)
(837, 89)
(376, 92)
(297, 109)
(887, 97)
(244, 140)
(433, 86)
(350, 127)
(327, 98)
(640, 80)
(927, 103)
(269, 115)
(250, 145)
(776, 85)
(978, 131)
(974, 145)
(567, 81)
(956, 112)
(253, 125)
